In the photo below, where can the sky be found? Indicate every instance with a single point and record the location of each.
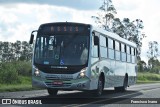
(19, 17)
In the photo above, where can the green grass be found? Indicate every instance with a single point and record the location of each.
(15, 87)
(24, 85)
(148, 78)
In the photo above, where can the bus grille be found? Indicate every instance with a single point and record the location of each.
(55, 77)
(50, 84)
(52, 78)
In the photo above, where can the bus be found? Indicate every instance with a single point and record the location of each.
(78, 56)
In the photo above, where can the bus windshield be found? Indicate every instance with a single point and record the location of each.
(67, 49)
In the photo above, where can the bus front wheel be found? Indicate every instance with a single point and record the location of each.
(99, 90)
(52, 92)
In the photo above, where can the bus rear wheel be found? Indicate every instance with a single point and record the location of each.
(124, 87)
(52, 92)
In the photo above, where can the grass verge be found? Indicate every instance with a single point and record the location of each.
(15, 87)
(24, 85)
(148, 78)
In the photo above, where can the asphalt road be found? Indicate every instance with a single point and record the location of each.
(143, 95)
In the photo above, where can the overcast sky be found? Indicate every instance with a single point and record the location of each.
(19, 17)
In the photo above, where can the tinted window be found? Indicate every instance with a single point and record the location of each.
(61, 49)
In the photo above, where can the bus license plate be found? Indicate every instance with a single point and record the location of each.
(58, 83)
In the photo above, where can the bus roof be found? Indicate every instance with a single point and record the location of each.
(100, 30)
(60, 23)
(114, 36)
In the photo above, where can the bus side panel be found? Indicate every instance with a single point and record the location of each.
(114, 72)
(131, 73)
(109, 72)
(120, 71)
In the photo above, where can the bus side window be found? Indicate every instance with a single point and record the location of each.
(128, 54)
(133, 54)
(96, 40)
(111, 48)
(95, 50)
(123, 52)
(103, 48)
(117, 50)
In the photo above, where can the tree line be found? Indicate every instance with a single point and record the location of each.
(153, 64)
(15, 61)
(17, 51)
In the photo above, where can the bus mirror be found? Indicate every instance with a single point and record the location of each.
(96, 40)
(31, 39)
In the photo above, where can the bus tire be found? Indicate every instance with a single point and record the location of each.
(52, 92)
(124, 87)
(99, 90)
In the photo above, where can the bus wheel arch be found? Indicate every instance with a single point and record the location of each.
(100, 86)
(125, 85)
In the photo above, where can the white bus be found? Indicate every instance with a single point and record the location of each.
(77, 56)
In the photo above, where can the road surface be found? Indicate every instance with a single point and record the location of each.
(141, 95)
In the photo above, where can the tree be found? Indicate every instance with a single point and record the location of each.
(137, 36)
(105, 15)
(1, 50)
(141, 66)
(153, 65)
(153, 50)
(130, 30)
(15, 51)
(118, 27)
(17, 47)
(5, 55)
(152, 54)
(26, 51)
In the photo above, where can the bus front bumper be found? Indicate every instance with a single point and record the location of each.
(72, 84)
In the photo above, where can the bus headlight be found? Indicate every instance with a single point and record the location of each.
(82, 73)
(36, 72)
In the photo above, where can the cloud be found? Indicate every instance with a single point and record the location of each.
(28, 17)
(76, 4)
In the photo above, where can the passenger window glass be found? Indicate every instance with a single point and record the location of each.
(103, 41)
(110, 43)
(103, 52)
(117, 46)
(122, 47)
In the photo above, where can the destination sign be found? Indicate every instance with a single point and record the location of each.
(64, 29)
